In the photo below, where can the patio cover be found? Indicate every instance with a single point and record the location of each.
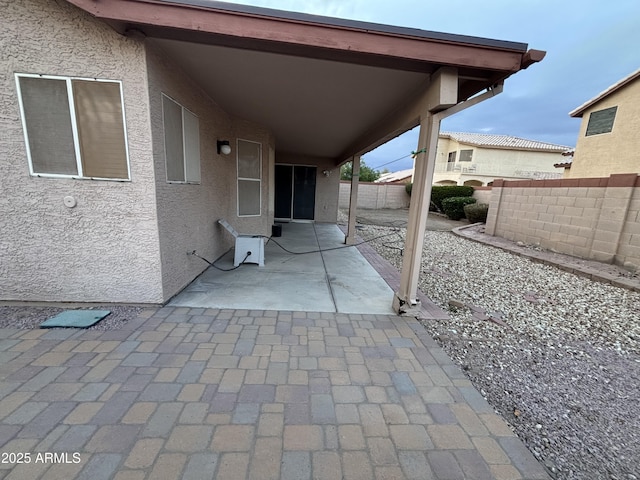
(326, 87)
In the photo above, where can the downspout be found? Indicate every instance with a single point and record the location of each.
(405, 300)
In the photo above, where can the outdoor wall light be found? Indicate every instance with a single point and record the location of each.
(326, 173)
(224, 147)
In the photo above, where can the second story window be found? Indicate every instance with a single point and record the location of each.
(601, 121)
(466, 155)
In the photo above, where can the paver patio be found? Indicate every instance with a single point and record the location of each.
(194, 394)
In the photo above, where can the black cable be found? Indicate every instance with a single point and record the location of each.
(329, 249)
(287, 250)
(215, 266)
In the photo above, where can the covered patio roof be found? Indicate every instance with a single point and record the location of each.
(325, 87)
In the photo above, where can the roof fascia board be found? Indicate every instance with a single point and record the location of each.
(247, 26)
(353, 24)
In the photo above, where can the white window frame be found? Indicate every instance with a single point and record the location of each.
(74, 127)
(190, 145)
(465, 150)
(239, 178)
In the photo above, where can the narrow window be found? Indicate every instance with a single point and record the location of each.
(181, 142)
(601, 121)
(249, 178)
(74, 127)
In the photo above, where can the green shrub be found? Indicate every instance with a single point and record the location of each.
(408, 187)
(453, 207)
(476, 212)
(439, 193)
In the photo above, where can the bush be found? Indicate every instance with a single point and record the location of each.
(408, 187)
(476, 212)
(439, 193)
(454, 206)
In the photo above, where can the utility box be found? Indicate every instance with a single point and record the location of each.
(276, 230)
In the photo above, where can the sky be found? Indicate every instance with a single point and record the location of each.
(590, 45)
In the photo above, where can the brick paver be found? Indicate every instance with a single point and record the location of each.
(195, 393)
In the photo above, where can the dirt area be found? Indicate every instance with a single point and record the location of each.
(398, 218)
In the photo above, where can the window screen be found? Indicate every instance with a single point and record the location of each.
(181, 142)
(100, 129)
(45, 111)
(601, 121)
(74, 127)
(191, 146)
(466, 155)
(249, 178)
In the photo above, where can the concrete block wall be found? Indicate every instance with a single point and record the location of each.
(594, 218)
(375, 195)
(482, 194)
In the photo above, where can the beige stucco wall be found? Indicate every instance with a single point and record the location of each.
(594, 218)
(491, 163)
(47, 251)
(376, 195)
(327, 187)
(617, 151)
(188, 214)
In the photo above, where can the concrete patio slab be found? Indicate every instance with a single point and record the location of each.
(322, 275)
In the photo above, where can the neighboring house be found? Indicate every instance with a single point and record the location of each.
(477, 159)
(608, 141)
(402, 176)
(130, 127)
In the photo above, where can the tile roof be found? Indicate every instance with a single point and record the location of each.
(502, 141)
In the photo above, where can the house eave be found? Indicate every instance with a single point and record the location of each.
(578, 112)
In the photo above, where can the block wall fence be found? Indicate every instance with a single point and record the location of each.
(375, 195)
(593, 218)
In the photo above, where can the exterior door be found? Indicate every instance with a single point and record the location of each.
(295, 196)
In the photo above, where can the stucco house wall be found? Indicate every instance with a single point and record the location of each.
(187, 213)
(617, 151)
(51, 252)
(490, 163)
(124, 241)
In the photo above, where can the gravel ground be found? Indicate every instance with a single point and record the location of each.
(24, 317)
(557, 355)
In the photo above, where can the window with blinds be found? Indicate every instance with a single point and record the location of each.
(601, 121)
(249, 178)
(74, 127)
(181, 142)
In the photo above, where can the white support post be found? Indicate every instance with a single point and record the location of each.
(350, 239)
(406, 299)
